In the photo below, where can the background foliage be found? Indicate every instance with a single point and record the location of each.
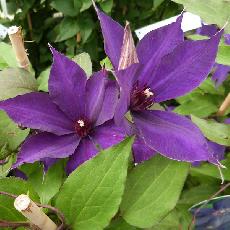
(155, 195)
(72, 26)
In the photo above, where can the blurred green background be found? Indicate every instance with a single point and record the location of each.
(72, 26)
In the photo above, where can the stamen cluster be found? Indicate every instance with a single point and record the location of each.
(82, 127)
(141, 97)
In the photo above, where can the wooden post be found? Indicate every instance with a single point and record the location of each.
(224, 106)
(33, 213)
(16, 39)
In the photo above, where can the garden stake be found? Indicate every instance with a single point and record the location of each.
(224, 106)
(15, 35)
(33, 213)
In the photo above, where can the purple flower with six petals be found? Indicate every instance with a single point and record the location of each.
(162, 67)
(73, 119)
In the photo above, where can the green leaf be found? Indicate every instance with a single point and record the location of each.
(201, 106)
(120, 224)
(16, 81)
(47, 185)
(69, 8)
(197, 194)
(214, 131)
(106, 5)
(68, 28)
(85, 5)
(208, 86)
(223, 55)
(106, 63)
(206, 9)
(152, 191)
(15, 186)
(43, 80)
(91, 195)
(212, 170)
(10, 133)
(7, 56)
(86, 28)
(171, 221)
(84, 61)
(5, 168)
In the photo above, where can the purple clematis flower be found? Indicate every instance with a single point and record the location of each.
(162, 67)
(221, 72)
(73, 118)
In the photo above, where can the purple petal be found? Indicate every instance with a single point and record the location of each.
(95, 92)
(227, 39)
(18, 173)
(157, 44)
(217, 149)
(113, 34)
(207, 30)
(141, 151)
(67, 85)
(45, 145)
(109, 102)
(37, 111)
(126, 79)
(104, 137)
(48, 162)
(172, 135)
(85, 151)
(227, 121)
(185, 68)
(220, 74)
(107, 135)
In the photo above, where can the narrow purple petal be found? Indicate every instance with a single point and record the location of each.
(172, 135)
(227, 121)
(113, 34)
(109, 102)
(157, 44)
(126, 79)
(45, 145)
(95, 92)
(207, 30)
(185, 68)
(37, 111)
(220, 74)
(217, 149)
(103, 137)
(85, 151)
(48, 162)
(227, 39)
(18, 173)
(141, 151)
(67, 85)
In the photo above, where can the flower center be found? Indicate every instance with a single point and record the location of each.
(82, 127)
(141, 97)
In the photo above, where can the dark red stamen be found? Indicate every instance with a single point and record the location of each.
(141, 97)
(82, 127)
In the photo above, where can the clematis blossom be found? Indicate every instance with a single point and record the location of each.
(163, 66)
(72, 120)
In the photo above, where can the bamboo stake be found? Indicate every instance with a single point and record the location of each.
(15, 35)
(33, 213)
(224, 106)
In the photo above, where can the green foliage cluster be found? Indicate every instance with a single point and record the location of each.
(72, 26)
